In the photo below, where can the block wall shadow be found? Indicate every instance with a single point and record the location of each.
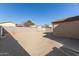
(9, 46)
(67, 42)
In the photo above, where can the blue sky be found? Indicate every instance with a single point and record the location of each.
(40, 14)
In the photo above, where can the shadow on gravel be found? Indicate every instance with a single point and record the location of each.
(63, 52)
(56, 52)
(68, 42)
(9, 46)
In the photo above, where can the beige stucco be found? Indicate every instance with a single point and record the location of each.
(67, 29)
(54, 26)
(7, 24)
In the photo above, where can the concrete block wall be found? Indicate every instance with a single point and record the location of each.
(67, 29)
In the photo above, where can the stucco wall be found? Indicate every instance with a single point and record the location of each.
(7, 24)
(67, 29)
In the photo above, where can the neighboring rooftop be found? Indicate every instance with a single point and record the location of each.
(75, 18)
(7, 22)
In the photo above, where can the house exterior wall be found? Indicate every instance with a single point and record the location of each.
(8, 24)
(67, 29)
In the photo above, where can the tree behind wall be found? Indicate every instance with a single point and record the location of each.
(28, 23)
(46, 25)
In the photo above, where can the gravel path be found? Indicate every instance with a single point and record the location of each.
(33, 40)
(22, 41)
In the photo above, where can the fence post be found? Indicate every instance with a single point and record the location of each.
(1, 31)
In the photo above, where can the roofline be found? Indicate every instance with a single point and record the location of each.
(75, 18)
(7, 22)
